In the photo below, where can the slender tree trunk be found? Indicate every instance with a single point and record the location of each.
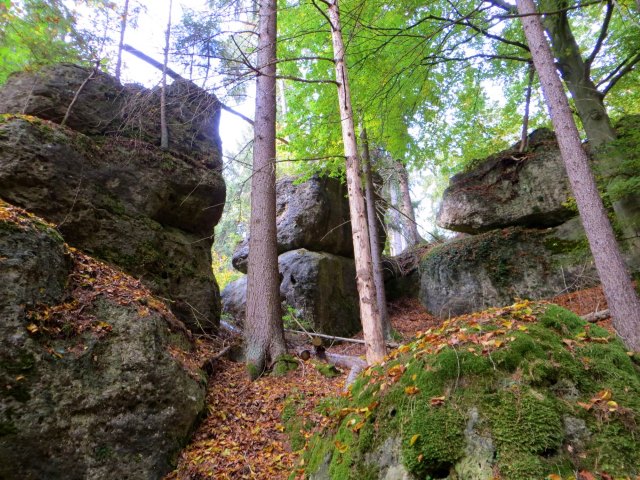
(376, 251)
(396, 239)
(527, 105)
(164, 128)
(264, 335)
(409, 217)
(369, 313)
(616, 283)
(123, 27)
(589, 103)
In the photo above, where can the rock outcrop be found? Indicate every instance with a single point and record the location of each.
(496, 268)
(92, 384)
(525, 392)
(319, 286)
(312, 215)
(151, 212)
(316, 257)
(527, 240)
(528, 189)
(103, 107)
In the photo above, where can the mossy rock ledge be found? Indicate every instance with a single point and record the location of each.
(523, 392)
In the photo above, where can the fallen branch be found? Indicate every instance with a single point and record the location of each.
(338, 339)
(596, 316)
(354, 364)
(209, 364)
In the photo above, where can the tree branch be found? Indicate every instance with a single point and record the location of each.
(603, 34)
(622, 69)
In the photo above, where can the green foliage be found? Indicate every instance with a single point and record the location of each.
(35, 33)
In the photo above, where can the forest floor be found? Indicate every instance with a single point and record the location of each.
(244, 436)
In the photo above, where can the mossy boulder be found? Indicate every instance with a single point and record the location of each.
(104, 107)
(150, 212)
(92, 384)
(510, 188)
(496, 268)
(319, 287)
(516, 393)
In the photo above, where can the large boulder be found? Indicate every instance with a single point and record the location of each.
(319, 287)
(92, 384)
(148, 211)
(529, 189)
(314, 215)
(527, 392)
(98, 105)
(495, 268)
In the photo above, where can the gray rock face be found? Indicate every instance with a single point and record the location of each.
(495, 268)
(510, 189)
(84, 404)
(320, 286)
(312, 215)
(147, 211)
(104, 107)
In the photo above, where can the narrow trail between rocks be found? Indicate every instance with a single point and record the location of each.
(243, 435)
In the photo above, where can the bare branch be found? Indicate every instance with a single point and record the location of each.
(603, 34)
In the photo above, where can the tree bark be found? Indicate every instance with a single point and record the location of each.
(397, 241)
(409, 216)
(589, 103)
(123, 27)
(369, 313)
(527, 104)
(164, 128)
(376, 251)
(616, 283)
(264, 335)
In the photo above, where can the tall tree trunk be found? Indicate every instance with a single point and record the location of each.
(376, 251)
(527, 105)
(576, 75)
(123, 27)
(409, 217)
(623, 301)
(164, 128)
(397, 241)
(264, 335)
(589, 103)
(369, 313)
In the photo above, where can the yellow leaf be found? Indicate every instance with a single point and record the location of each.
(342, 447)
(612, 406)
(604, 394)
(32, 328)
(411, 390)
(414, 439)
(554, 476)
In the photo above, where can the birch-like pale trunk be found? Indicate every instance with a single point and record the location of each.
(164, 128)
(369, 313)
(374, 237)
(616, 282)
(408, 214)
(263, 330)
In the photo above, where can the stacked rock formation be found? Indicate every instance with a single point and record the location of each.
(526, 238)
(316, 257)
(109, 189)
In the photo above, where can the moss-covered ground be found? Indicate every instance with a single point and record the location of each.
(555, 396)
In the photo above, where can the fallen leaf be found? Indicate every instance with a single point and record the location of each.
(411, 390)
(414, 439)
(437, 401)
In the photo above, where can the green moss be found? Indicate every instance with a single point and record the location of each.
(523, 391)
(7, 428)
(327, 370)
(319, 450)
(253, 371)
(440, 443)
(283, 365)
